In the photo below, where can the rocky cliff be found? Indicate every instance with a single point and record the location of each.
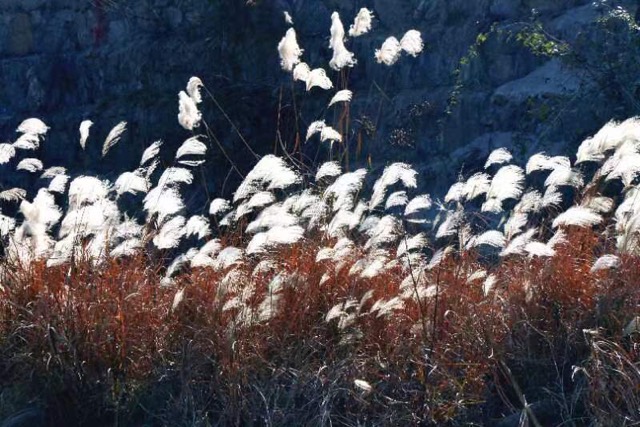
(528, 74)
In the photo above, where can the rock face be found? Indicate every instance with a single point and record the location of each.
(111, 60)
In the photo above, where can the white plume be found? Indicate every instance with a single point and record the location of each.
(341, 96)
(343, 190)
(318, 77)
(84, 132)
(150, 152)
(517, 245)
(197, 226)
(577, 216)
(498, 157)
(13, 195)
(287, 18)
(188, 114)
(392, 174)
(30, 165)
(33, 126)
(606, 262)
(87, 189)
(127, 248)
(492, 238)
(131, 182)
(395, 199)
(412, 43)
(191, 147)
(455, 193)
(27, 141)
(219, 206)
(175, 175)
(328, 170)
(362, 23)
(278, 235)
(289, 50)
(314, 128)
(418, 203)
(477, 185)
(59, 183)
(389, 52)
(330, 134)
(7, 152)
(193, 89)
(271, 172)
(272, 216)
(53, 171)
(113, 137)
(170, 233)
(301, 72)
(164, 201)
(341, 56)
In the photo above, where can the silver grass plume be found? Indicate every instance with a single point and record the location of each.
(301, 72)
(30, 165)
(277, 235)
(271, 172)
(397, 172)
(362, 23)
(27, 141)
(389, 52)
(498, 157)
(412, 43)
(328, 170)
(191, 147)
(170, 233)
(84, 132)
(344, 95)
(131, 182)
(219, 206)
(59, 183)
(53, 171)
(189, 116)
(33, 126)
(578, 216)
(341, 56)
(193, 89)
(417, 204)
(175, 175)
(606, 262)
(396, 199)
(87, 190)
(164, 202)
(13, 195)
(289, 50)
(318, 78)
(343, 191)
(150, 152)
(7, 152)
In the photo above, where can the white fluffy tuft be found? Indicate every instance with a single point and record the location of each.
(289, 50)
(113, 137)
(362, 23)
(341, 96)
(412, 43)
(498, 157)
(389, 52)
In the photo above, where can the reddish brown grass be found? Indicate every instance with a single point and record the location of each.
(104, 344)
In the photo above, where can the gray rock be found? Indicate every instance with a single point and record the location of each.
(69, 60)
(504, 9)
(551, 79)
(28, 417)
(20, 34)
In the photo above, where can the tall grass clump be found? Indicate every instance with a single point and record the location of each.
(324, 296)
